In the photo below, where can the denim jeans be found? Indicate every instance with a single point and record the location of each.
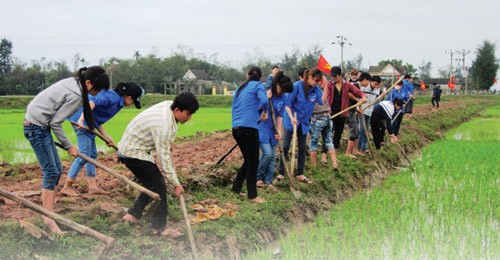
(362, 141)
(46, 153)
(301, 157)
(267, 162)
(86, 144)
(321, 125)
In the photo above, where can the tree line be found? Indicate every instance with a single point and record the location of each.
(165, 74)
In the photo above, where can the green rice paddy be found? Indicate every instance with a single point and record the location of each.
(14, 148)
(446, 207)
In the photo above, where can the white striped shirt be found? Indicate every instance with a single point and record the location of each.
(371, 95)
(153, 129)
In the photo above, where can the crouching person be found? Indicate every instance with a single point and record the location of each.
(151, 131)
(382, 116)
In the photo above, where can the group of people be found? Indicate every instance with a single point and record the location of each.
(88, 101)
(263, 116)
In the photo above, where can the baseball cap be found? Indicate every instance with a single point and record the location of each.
(133, 90)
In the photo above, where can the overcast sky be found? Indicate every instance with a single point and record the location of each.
(231, 31)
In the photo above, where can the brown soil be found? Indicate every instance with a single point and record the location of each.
(187, 156)
(193, 159)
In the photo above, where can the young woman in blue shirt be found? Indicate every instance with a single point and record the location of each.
(400, 93)
(268, 137)
(104, 105)
(301, 100)
(250, 106)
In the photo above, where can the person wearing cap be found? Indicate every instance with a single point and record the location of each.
(337, 95)
(104, 105)
(153, 131)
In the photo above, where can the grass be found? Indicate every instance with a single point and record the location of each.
(14, 148)
(446, 207)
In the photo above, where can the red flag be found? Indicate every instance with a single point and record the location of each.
(495, 80)
(451, 83)
(422, 86)
(323, 65)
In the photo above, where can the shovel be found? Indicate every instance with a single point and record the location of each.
(297, 194)
(226, 154)
(192, 242)
(124, 179)
(109, 241)
(403, 152)
(399, 112)
(363, 123)
(94, 132)
(294, 146)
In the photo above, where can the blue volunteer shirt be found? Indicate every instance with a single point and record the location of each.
(247, 105)
(269, 81)
(266, 128)
(107, 104)
(304, 107)
(401, 94)
(408, 87)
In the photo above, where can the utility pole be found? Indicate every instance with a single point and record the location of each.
(341, 40)
(464, 52)
(451, 52)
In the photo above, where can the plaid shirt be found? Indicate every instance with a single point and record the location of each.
(152, 130)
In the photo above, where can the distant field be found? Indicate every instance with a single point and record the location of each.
(14, 148)
(20, 102)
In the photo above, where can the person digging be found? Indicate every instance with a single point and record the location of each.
(104, 106)
(152, 131)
